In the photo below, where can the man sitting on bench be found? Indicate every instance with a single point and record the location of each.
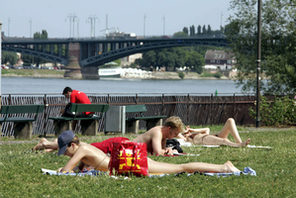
(75, 96)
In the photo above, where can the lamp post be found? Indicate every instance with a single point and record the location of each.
(0, 61)
(258, 64)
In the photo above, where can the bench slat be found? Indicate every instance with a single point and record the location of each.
(135, 108)
(79, 108)
(19, 119)
(17, 109)
(147, 118)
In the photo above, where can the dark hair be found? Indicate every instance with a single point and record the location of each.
(66, 90)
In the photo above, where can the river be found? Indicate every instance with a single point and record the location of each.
(23, 85)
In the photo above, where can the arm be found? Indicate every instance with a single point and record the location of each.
(201, 130)
(157, 144)
(72, 98)
(73, 161)
(180, 136)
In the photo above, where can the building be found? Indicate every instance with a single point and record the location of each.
(220, 59)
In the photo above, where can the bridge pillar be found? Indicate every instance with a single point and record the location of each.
(73, 69)
(90, 73)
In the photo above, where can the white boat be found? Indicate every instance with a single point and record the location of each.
(110, 73)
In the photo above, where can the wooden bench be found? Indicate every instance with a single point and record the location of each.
(89, 125)
(19, 115)
(132, 123)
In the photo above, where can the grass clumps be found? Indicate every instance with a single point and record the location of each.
(20, 172)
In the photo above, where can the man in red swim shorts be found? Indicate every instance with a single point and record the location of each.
(106, 145)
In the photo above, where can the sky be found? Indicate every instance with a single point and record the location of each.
(22, 18)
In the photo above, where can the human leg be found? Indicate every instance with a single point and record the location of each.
(213, 140)
(161, 167)
(230, 127)
(47, 145)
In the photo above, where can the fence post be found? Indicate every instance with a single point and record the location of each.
(136, 99)
(9, 99)
(108, 99)
(211, 109)
(44, 115)
(234, 106)
(162, 104)
(187, 116)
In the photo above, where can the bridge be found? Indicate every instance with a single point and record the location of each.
(82, 57)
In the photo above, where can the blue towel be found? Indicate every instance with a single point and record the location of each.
(246, 171)
(90, 172)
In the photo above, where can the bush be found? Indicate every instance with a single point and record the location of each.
(181, 75)
(281, 111)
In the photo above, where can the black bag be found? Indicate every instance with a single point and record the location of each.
(175, 144)
(67, 112)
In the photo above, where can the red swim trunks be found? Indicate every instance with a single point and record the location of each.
(106, 145)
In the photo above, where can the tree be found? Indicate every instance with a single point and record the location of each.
(192, 30)
(209, 30)
(180, 34)
(278, 63)
(38, 35)
(9, 58)
(185, 30)
(204, 29)
(199, 30)
(195, 61)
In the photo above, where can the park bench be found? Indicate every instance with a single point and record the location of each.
(89, 125)
(132, 123)
(22, 116)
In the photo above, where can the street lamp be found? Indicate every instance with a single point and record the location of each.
(0, 59)
(258, 64)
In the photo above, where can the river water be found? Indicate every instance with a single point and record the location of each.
(22, 85)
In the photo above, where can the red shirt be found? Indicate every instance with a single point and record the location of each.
(79, 97)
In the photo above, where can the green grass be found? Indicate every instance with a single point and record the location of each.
(20, 174)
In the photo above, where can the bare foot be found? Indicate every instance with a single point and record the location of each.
(243, 144)
(48, 150)
(230, 168)
(40, 145)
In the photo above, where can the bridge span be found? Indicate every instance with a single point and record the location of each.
(82, 57)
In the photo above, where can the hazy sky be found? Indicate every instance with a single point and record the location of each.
(22, 17)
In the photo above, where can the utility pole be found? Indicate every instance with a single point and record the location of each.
(30, 28)
(163, 18)
(70, 25)
(0, 61)
(92, 20)
(144, 28)
(258, 64)
(72, 19)
(8, 27)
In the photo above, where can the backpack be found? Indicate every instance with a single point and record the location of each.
(175, 144)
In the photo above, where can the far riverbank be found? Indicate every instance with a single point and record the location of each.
(40, 73)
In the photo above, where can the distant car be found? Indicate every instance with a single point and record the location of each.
(28, 66)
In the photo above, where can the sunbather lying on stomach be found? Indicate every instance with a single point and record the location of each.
(70, 145)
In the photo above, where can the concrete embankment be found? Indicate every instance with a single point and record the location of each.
(60, 74)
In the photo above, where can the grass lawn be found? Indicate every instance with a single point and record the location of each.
(20, 174)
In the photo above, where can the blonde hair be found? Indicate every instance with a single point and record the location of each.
(75, 140)
(174, 122)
